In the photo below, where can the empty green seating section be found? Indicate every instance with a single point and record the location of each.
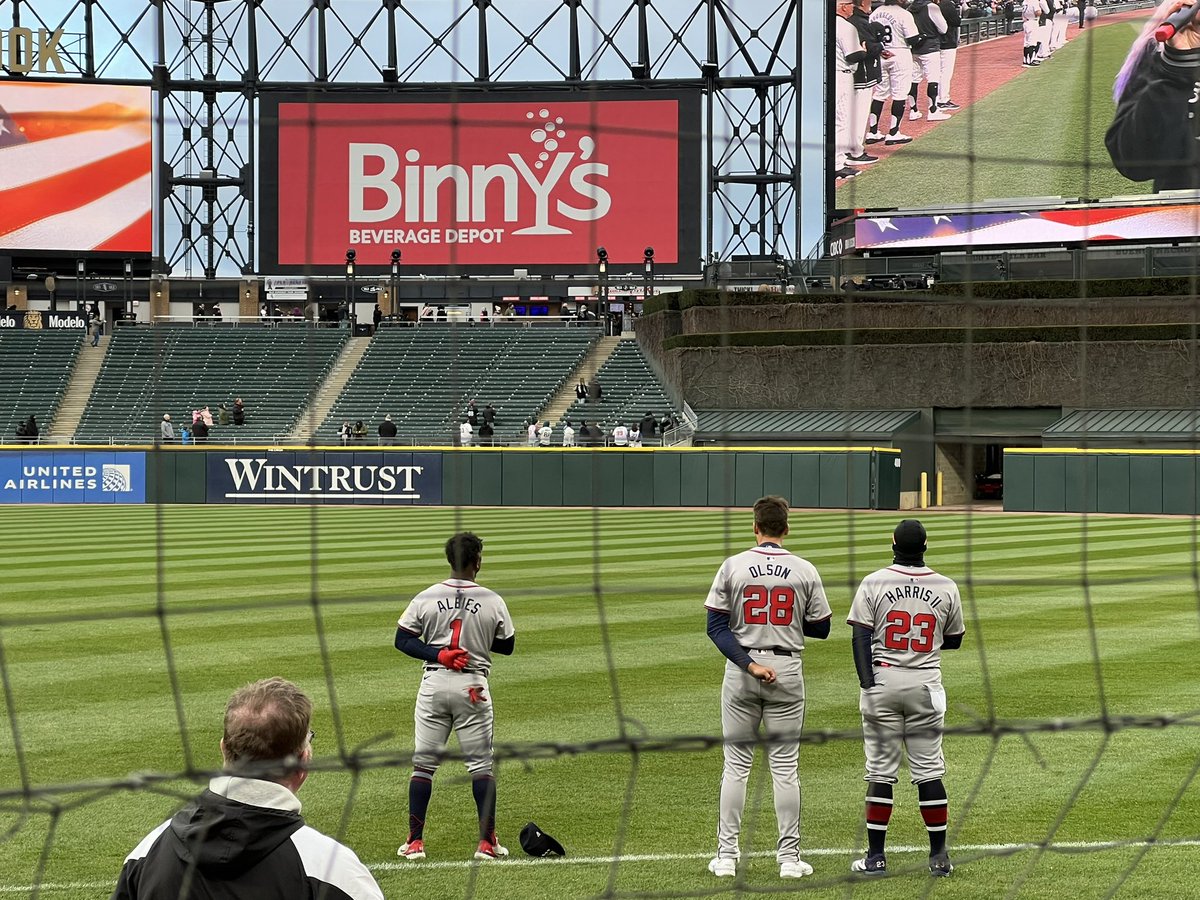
(151, 371)
(35, 367)
(629, 388)
(425, 377)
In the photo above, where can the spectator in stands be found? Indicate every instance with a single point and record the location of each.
(489, 415)
(545, 434)
(166, 429)
(665, 425)
(533, 430)
(344, 433)
(648, 425)
(200, 427)
(222, 415)
(487, 434)
(465, 432)
(585, 434)
(483, 317)
(97, 328)
(360, 432)
(620, 435)
(568, 434)
(387, 431)
(28, 430)
(595, 393)
(206, 416)
(472, 414)
(239, 412)
(376, 318)
(635, 435)
(581, 391)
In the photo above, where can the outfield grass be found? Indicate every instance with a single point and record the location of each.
(1039, 135)
(92, 697)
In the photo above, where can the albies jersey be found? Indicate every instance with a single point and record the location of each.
(462, 614)
(769, 594)
(899, 24)
(909, 609)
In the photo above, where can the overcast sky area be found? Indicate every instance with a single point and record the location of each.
(421, 61)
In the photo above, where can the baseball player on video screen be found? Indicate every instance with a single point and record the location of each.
(762, 604)
(455, 626)
(903, 616)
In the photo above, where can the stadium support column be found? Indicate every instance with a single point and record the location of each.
(248, 298)
(160, 298)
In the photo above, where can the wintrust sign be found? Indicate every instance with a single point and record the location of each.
(543, 181)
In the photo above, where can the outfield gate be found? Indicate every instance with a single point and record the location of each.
(809, 477)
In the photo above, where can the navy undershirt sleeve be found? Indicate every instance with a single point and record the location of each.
(411, 644)
(504, 646)
(719, 633)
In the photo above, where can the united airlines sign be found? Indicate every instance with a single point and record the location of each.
(318, 477)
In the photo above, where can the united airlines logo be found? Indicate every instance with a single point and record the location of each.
(116, 479)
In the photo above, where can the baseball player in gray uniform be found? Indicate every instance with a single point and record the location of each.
(903, 617)
(761, 606)
(455, 627)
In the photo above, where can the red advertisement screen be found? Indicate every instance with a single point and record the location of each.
(469, 184)
(75, 167)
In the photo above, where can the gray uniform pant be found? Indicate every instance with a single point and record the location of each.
(778, 709)
(453, 701)
(906, 709)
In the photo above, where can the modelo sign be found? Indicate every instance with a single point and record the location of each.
(335, 477)
(537, 181)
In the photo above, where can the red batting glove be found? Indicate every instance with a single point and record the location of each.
(454, 658)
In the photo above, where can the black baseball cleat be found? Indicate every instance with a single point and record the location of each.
(940, 865)
(872, 865)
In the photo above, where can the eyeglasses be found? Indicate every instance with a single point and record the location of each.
(311, 734)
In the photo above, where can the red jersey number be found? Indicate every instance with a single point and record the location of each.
(774, 607)
(900, 625)
(455, 633)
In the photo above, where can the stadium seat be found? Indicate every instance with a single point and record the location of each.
(35, 367)
(151, 371)
(425, 377)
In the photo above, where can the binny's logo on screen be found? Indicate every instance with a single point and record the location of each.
(543, 188)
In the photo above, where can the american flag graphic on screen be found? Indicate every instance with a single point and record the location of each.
(75, 167)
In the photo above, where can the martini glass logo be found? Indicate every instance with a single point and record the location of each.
(547, 136)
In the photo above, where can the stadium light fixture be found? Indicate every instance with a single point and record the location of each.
(602, 270)
(602, 260)
(393, 303)
(351, 255)
(648, 273)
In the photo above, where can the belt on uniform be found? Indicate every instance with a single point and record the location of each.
(887, 665)
(778, 651)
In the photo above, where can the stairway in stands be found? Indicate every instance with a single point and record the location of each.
(79, 390)
(591, 364)
(328, 393)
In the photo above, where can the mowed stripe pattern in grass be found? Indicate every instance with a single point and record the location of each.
(1067, 617)
(1039, 135)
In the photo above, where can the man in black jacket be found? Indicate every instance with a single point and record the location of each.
(244, 837)
(927, 57)
(387, 431)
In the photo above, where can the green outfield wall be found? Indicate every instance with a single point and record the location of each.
(813, 477)
(1102, 481)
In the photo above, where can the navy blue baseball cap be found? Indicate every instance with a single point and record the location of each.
(536, 842)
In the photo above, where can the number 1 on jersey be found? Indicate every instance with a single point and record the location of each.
(455, 633)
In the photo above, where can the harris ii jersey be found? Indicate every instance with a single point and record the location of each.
(458, 613)
(909, 609)
(769, 593)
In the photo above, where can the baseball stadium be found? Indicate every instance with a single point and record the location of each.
(603, 448)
